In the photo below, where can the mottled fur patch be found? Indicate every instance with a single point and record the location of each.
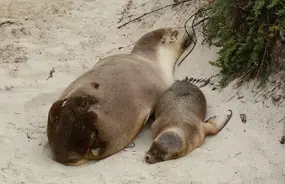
(72, 128)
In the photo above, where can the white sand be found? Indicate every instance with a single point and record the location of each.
(70, 36)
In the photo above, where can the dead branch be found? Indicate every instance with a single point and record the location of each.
(51, 73)
(158, 9)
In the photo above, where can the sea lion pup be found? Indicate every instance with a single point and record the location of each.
(102, 111)
(180, 124)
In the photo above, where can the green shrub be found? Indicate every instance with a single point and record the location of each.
(245, 31)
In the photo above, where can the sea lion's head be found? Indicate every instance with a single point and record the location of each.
(169, 42)
(166, 146)
(72, 131)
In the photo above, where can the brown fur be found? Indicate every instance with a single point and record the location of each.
(102, 111)
(73, 119)
(179, 125)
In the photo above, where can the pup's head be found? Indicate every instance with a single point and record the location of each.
(170, 41)
(72, 131)
(166, 146)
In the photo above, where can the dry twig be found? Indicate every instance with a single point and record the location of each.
(6, 22)
(243, 118)
(194, 38)
(166, 6)
(51, 74)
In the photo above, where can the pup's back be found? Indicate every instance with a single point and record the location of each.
(183, 99)
(180, 125)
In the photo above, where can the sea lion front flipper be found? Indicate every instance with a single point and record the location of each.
(143, 119)
(216, 123)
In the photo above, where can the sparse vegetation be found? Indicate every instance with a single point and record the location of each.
(246, 31)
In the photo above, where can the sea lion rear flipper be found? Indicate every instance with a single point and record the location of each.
(216, 123)
(197, 81)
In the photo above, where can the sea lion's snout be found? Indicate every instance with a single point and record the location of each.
(183, 39)
(72, 160)
(70, 156)
(150, 159)
(156, 153)
(77, 163)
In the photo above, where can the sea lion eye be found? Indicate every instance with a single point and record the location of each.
(163, 40)
(174, 34)
(162, 156)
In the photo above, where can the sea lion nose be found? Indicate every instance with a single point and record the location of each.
(147, 157)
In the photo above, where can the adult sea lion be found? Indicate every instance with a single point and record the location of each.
(102, 111)
(180, 124)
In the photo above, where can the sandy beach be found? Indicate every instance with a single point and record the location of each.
(46, 44)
